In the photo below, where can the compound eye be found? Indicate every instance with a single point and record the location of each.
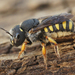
(17, 36)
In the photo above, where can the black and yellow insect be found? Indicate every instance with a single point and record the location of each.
(64, 26)
(32, 30)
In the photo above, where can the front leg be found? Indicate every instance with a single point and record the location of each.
(9, 48)
(55, 46)
(22, 49)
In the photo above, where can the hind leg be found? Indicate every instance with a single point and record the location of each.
(55, 46)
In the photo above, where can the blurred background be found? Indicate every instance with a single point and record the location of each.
(13, 12)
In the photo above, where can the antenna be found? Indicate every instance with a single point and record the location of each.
(6, 31)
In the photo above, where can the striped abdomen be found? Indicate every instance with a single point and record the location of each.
(64, 26)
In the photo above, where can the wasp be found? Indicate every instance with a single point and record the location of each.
(33, 30)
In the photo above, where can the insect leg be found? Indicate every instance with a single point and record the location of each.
(44, 54)
(22, 49)
(9, 48)
(55, 46)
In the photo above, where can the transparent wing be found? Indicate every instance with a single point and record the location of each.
(51, 21)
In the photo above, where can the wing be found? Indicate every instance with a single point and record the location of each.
(43, 18)
(51, 21)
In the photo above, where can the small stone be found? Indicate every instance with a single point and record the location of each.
(21, 70)
(11, 72)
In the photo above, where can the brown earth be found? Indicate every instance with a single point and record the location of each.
(13, 12)
(32, 62)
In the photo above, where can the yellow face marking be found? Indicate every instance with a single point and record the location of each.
(51, 28)
(45, 29)
(70, 24)
(57, 26)
(12, 42)
(21, 30)
(64, 24)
